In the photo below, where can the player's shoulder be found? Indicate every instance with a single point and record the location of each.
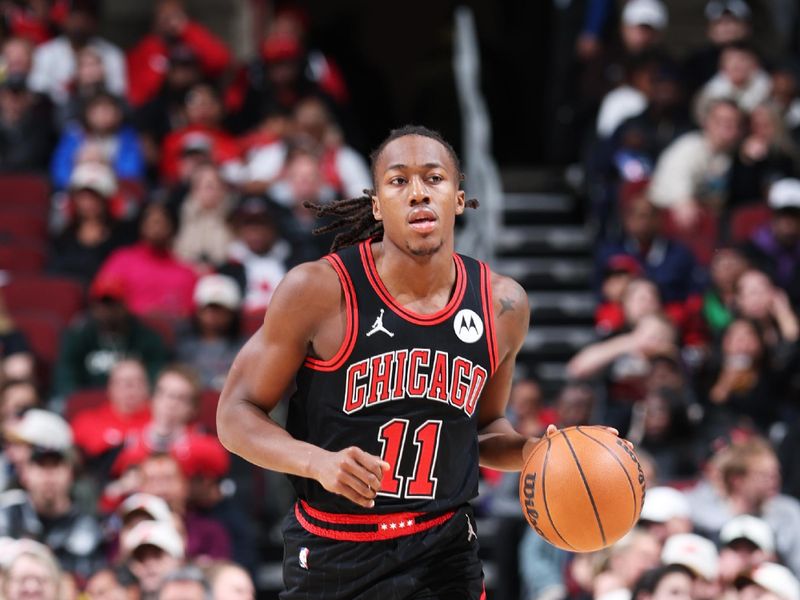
(508, 294)
(309, 284)
(511, 311)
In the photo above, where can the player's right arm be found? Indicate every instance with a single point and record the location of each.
(304, 316)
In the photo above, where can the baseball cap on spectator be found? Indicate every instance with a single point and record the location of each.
(750, 528)
(281, 47)
(774, 578)
(623, 263)
(218, 289)
(202, 456)
(96, 177)
(694, 552)
(154, 507)
(45, 431)
(253, 208)
(664, 503)
(154, 533)
(715, 9)
(196, 142)
(785, 194)
(107, 287)
(652, 13)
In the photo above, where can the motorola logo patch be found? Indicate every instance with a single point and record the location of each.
(468, 326)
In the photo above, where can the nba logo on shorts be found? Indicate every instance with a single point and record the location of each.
(303, 556)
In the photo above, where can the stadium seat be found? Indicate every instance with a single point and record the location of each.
(15, 224)
(25, 190)
(56, 295)
(207, 415)
(163, 325)
(43, 332)
(82, 400)
(746, 219)
(22, 257)
(251, 322)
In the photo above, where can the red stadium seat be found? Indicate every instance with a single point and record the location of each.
(43, 332)
(746, 219)
(82, 400)
(15, 224)
(31, 191)
(251, 322)
(163, 325)
(207, 415)
(57, 295)
(23, 257)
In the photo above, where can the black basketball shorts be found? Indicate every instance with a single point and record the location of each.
(383, 557)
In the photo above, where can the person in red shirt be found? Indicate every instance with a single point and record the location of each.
(98, 430)
(203, 112)
(153, 280)
(148, 60)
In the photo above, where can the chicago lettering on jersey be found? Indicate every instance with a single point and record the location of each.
(416, 373)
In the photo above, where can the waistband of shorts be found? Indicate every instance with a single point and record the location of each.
(365, 527)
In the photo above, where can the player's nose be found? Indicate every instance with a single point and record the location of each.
(417, 192)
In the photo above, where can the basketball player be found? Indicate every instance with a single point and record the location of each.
(402, 354)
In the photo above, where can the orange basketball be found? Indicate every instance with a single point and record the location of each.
(581, 488)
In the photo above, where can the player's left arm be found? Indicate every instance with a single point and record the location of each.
(500, 446)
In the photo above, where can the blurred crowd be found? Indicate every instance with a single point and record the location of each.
(177, 178)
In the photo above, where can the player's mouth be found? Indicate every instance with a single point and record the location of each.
(422, 220)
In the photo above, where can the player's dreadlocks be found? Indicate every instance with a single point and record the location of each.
(355, 214)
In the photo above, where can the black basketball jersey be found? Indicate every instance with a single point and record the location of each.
(403, 386)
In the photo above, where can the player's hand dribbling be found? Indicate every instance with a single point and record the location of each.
(552, 430)
(352, 473)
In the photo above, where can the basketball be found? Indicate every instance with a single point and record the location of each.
(581, 488)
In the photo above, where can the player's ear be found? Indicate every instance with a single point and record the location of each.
(376, 207)
(460, 201)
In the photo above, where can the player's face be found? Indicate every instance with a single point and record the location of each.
(417, 195)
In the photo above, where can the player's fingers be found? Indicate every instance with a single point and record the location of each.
(371, 463)
(612, 430)
(551, 430)
(628, 443)
(356, 490)
(367, 476)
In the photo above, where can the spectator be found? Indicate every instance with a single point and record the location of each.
(785, 95)
(699, 555)
(162, 476)
(692, 172)
(54, 62)
(728, 23)
(672, 581)
(45, 511)
(343, 168)
(102, 125)
(618, 271)
(103, 429)
(746, 542)
(108, 334)
(172, 27)
(751, 482)
(203, 113)
(112, 584)
(526, 409)
(25, 138)
(727, 266)
(230, 582)
(16, 397)
(153, 279)
(775, 247)
(215, 338)
(740, 78)
(631, 556)
(152, 550)
(16, 57)
(770, 581)
(632, 97)
(90, 80)
(32, 572)
(258, 257)
(16, 359)
(188, 583)
(204, 233)
(766, 155)
(92, 231)
(665, 512)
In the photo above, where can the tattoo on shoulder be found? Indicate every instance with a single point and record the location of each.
(507, 304)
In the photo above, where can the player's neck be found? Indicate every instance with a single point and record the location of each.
(414, 278)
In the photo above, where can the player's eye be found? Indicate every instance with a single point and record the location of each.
(435, 178)
(397, 180)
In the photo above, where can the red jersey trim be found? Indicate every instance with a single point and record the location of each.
(417, 319)
(488, 314)
(387, 526)
(351, 329)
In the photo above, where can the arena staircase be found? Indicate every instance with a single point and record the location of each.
(545, 245)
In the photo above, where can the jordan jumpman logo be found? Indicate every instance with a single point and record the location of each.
(378, 326)
(470, 532)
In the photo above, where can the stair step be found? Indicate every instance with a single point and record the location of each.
(558, 339)
(542, 239)
(562, 308)
(547, 273)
